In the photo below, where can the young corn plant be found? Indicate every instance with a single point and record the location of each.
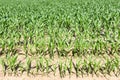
(108, 66)
(62, 69)
(28, 65)
(85, 67)
(54, 68)
(42, 64)
(51, 47)
(115, 66)
(90, 67)
(77, 67)
(96, 66)
(47, 62)
(12, 63)
(37, 66)
(60, 48)
(21, 68)
(4, 66)
(2, 47)
(69, 64)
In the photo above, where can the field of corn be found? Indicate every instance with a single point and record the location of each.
(60, 36)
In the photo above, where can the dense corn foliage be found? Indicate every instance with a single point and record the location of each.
(60, 27)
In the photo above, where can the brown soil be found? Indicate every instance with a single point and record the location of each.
(51, 77)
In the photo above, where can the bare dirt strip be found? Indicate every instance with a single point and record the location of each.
(57, 77)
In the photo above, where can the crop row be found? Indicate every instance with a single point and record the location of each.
(79, 66)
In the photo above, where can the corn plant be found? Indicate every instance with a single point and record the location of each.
(41, 64)
(77, 67)
(69, 64)
(115, 65)
(12, 62)
(28, 65)
(47, 65)
(96, 66)
(62, 69)
(4, 66)
(37, 65)
(54, 68)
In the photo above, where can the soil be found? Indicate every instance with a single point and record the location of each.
(51, 77)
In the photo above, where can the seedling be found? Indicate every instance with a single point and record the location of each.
(2, 62)
(28, 65)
